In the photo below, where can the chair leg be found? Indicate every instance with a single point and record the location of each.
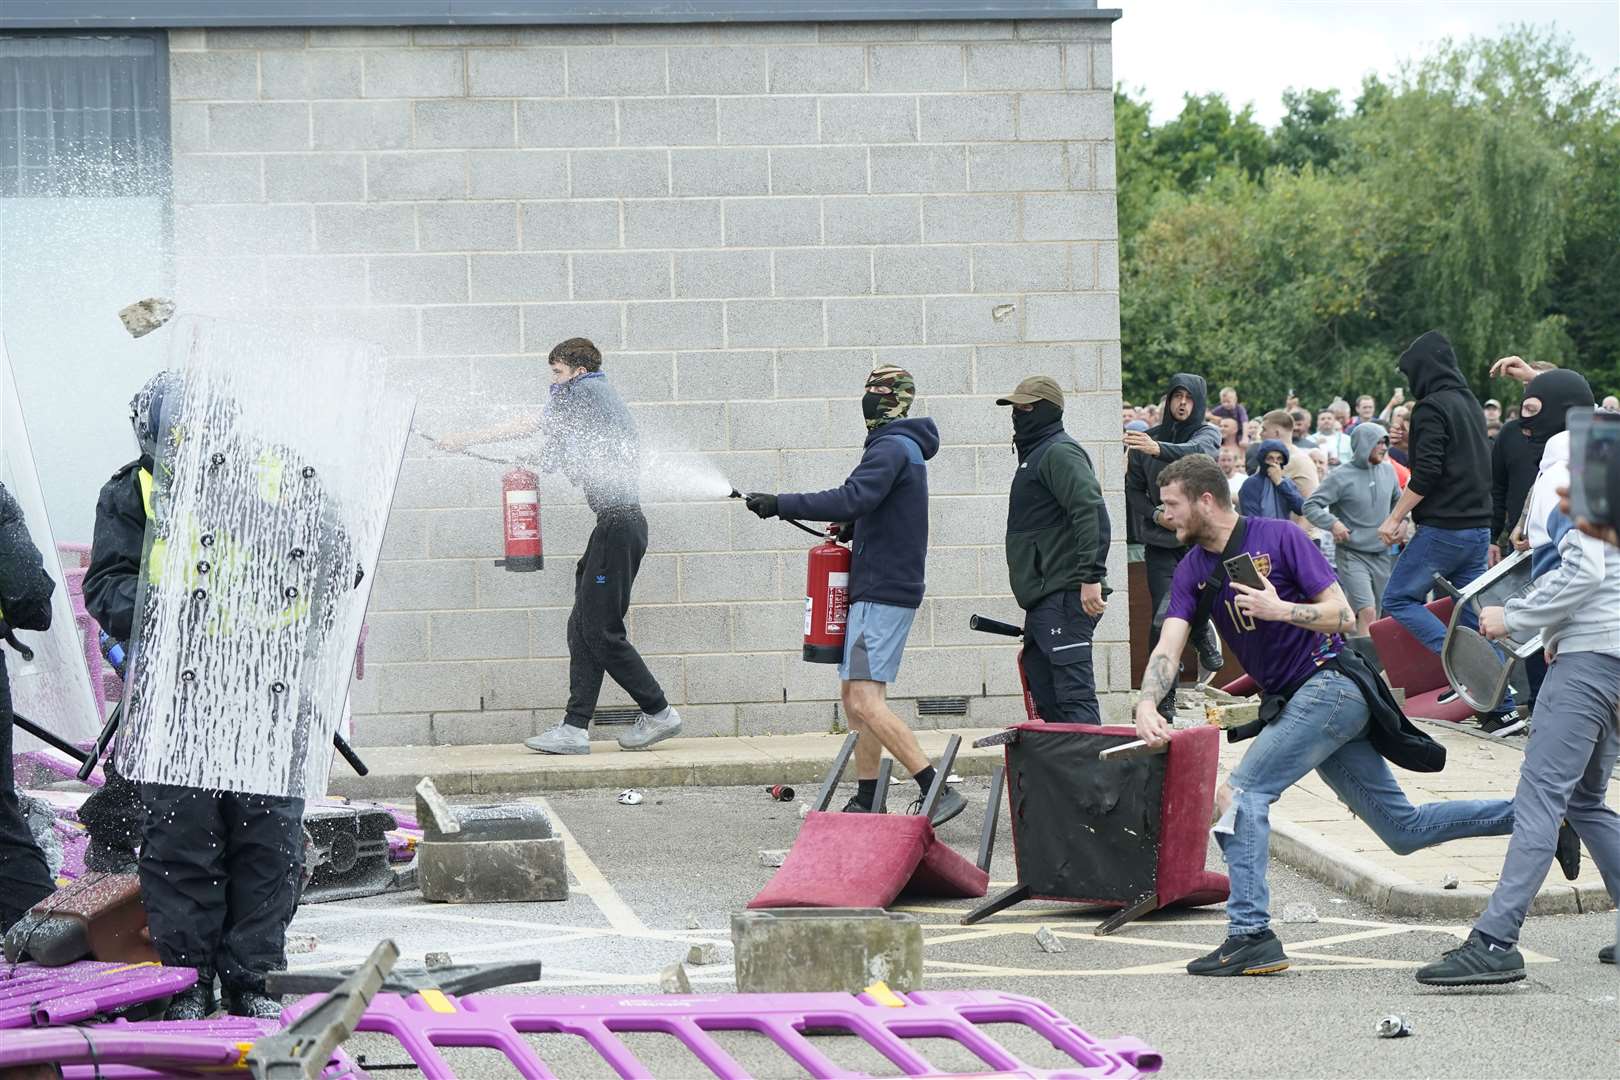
(836, 773)
(992, 817)
(941, 771)
(1148, 903)
(881, 797)
(1015, 895)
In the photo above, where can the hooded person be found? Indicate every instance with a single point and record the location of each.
(1182, 430)
(1269, 493)
(113, 815)
(1057, 551)
(1448, 496)
(25, 598)
(1351, 502)
(883, 506)
(1517, 450)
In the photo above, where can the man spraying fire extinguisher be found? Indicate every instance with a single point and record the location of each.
(1057, 551)
(590, 437)
(885, 503)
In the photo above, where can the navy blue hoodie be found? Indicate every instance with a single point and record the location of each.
(887, 499)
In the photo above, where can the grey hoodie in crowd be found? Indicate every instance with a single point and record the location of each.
(1576, 604)
(1356, 493)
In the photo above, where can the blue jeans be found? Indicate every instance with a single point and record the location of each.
(1324, 727)
(1458, 554)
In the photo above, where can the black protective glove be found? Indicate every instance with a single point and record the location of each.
(762, 504)
(846, 532)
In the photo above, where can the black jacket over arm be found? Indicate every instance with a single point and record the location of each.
(115, 553)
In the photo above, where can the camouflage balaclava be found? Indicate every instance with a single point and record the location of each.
(889, 391)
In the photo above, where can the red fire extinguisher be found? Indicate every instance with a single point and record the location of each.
(520, 497)
(826, 601)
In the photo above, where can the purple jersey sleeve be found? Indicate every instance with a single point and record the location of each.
(1312, 572)
(1184, 590)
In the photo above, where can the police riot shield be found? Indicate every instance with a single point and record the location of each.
(52, 689)
(277, 460)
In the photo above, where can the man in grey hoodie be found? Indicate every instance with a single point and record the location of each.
(1568, 762)
(590, 437)
(1352, 502)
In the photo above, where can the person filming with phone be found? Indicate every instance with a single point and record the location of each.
(1274, 599)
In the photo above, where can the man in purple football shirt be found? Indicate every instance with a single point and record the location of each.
(1288, 637)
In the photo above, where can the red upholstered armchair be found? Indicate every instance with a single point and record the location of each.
(1416, 670)
(1130, 833)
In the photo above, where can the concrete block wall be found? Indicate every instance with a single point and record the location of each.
(746, 219)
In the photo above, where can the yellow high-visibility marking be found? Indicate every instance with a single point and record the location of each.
(436, 1001)
(880, 993)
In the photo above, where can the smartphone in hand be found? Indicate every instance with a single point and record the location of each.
(1241, 569)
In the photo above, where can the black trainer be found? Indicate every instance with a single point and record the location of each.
(1606, 954)
(1474, 963)
(950, 804)
(1502, 724)
(1243, 954)
(855, 806)
(1208, 647)
(1569, 852)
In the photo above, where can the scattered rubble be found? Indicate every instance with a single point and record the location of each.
(772, 858)
(1449, 881)
(673, 980)
(701, 954)
(1300, 913)
(302, 943)
(1049, 942)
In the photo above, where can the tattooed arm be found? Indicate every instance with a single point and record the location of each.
(1158, 679)
(1328, 612)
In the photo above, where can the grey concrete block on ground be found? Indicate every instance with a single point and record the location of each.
(492, 871)
(828, 950)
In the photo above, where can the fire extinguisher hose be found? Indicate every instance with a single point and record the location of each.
(735, 494)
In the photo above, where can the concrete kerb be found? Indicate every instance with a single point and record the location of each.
(535, 775)
(1392, 894)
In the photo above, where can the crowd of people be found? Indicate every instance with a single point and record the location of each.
(1290, 542)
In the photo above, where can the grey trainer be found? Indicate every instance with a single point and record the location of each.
(562, 739)
(651, 729)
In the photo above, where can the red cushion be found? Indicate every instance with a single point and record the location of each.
(1409, 665)
(1242, 686)
(1427, 707)
(848, 860)
(944, 873)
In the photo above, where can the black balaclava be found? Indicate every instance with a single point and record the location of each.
(1560, 390)
(870, 405)
(1031, 427)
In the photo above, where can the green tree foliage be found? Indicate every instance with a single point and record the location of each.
(1476, 192)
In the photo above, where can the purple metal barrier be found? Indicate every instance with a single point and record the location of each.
(423, 1022)
(34, 996)
(148, 1049)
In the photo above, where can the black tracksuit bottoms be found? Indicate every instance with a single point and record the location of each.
(597, 641)
(220, 874)
(25, 878)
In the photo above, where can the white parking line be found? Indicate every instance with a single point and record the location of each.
(592, 882)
